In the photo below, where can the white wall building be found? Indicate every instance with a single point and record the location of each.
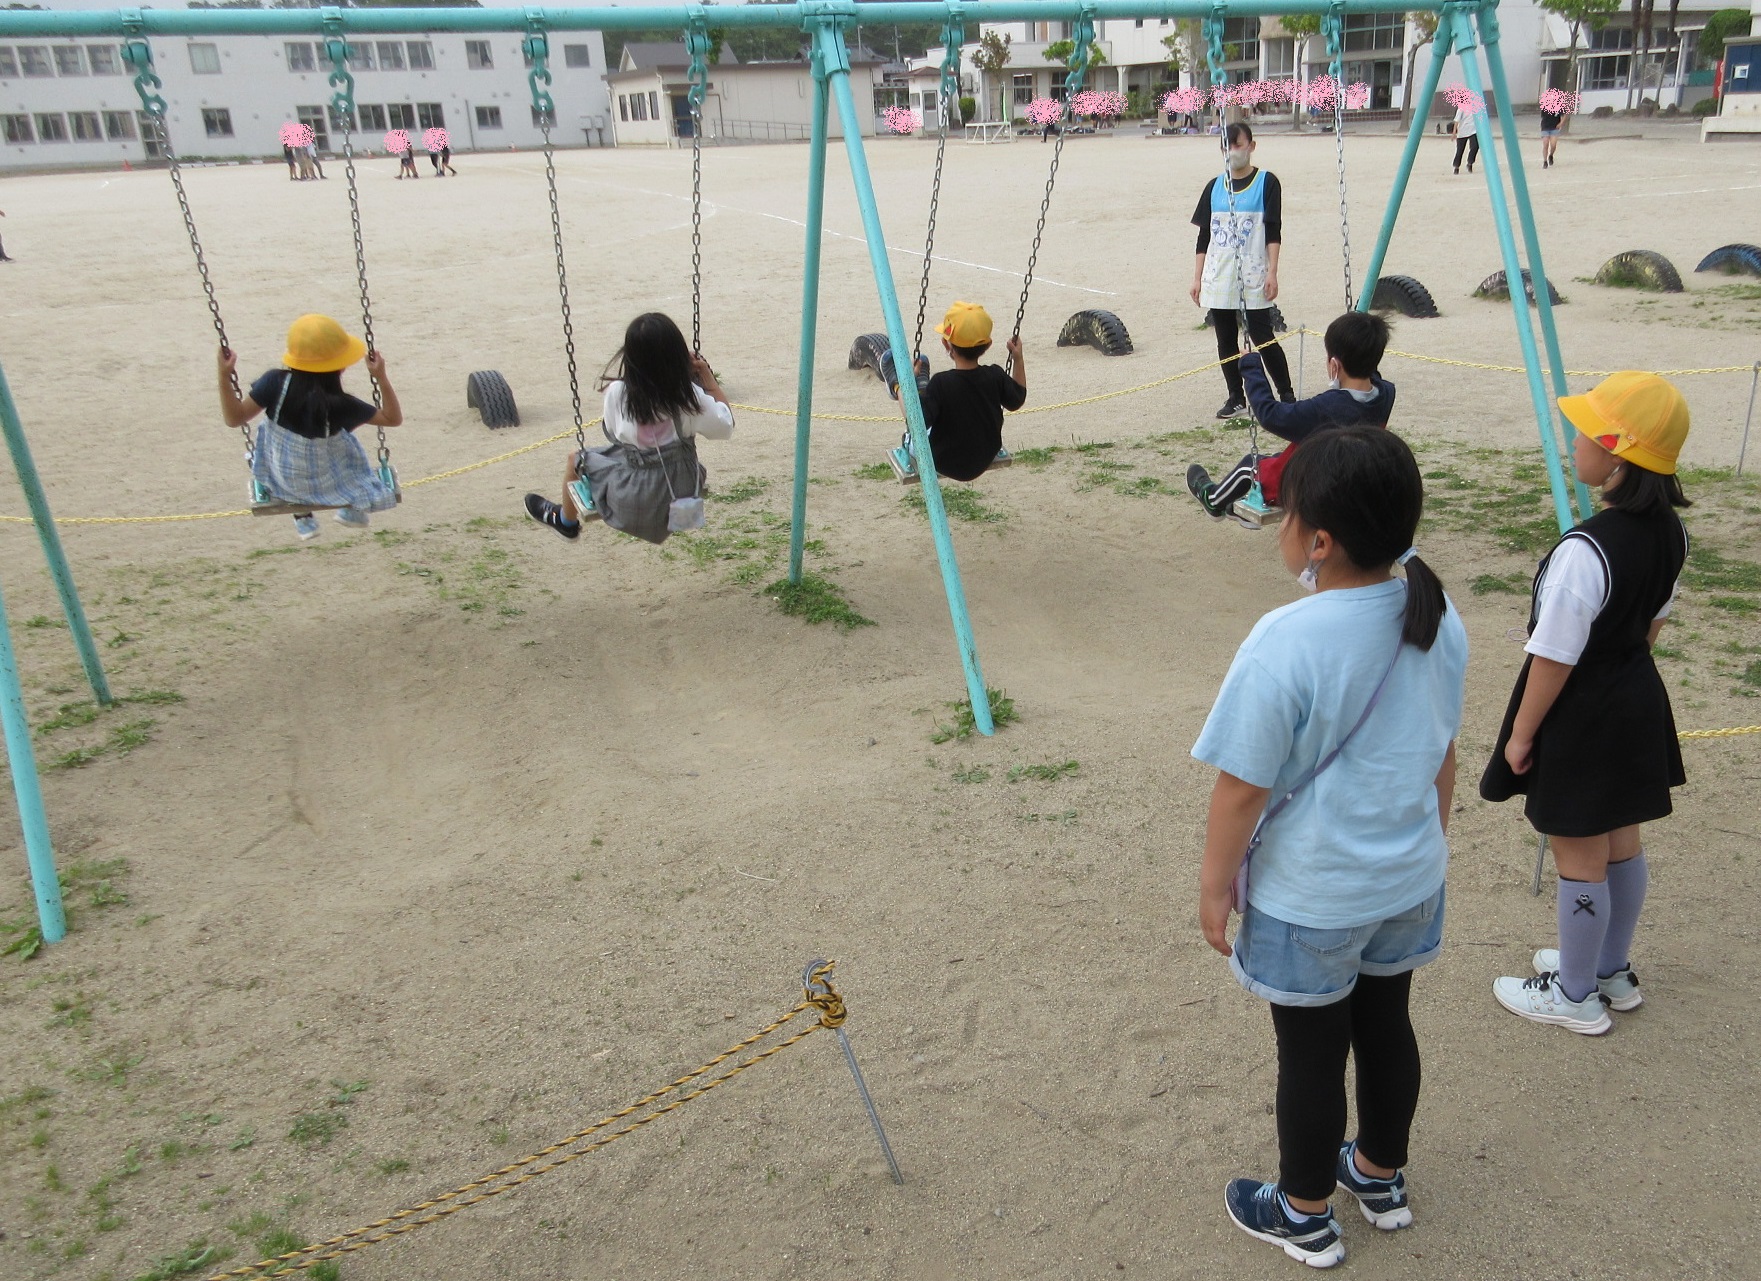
(72, 102)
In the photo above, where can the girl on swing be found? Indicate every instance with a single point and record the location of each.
(306, 450)
(647, 479)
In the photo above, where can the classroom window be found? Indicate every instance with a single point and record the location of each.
(401, 115)
(104, 59)
(1365, 32)
(489, 117)
(653, 105)
(391, 55)
(638, 106)
(69, 60)
(421, 55)
(577, 55)
(18, 129)
(33, 59)
(118, 124)
(8, 62)
(372, 116)
(430, 115)
(1605, 73)
(1281, 57)
(478, 56)
(299, 56)
(150, 133)
(1241, 40)
(51, 127)
(340, 121)
(623, 106)
(314, 118)
(205, 59)
(85, 125)
(361, 56)
(1023, 89)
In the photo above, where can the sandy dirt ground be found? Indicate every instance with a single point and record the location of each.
(416, 851)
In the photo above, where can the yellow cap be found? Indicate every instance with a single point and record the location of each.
(1636, 416)
(318, 345)
(966, 325)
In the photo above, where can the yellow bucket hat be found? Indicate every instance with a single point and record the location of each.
(966, 325)
(317, 345)
(1636, 416)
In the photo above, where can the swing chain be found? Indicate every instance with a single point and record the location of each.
(537, 50)
(137, 53)
(697, 45)
(342, 111)
(952, 35)
(1333, 26)
(1083, 38)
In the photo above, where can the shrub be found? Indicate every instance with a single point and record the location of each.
(1705, 107)
(968, 108)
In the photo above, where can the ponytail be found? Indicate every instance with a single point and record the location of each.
(1424, 605)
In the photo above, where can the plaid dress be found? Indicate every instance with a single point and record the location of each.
(333, 471)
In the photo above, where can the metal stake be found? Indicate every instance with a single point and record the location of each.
(1749, 417)
(1540, 862)
(818, 986)
(1302, 335)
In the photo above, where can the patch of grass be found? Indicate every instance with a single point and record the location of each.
(113, 1069)
(1752, 674)
(964, 726)
(1745, 605)
(977, 774)
(1707, 570)
(1094, 446)
(1044, 773)
(743, 490)
(346, 1091)
(36, 621)
(172, 1151)
(817, 600)
(962, 503)
(877, 471)
(317, 1129)
(396, 1165)
(194, 1257)
(73, 1012)
(1146, 487)
(1490, 584)
(1664, 651)
(1038, 456)
(23, 937)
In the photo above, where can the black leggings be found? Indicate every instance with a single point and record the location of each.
(1469, 144)
(1259, 327)
(1372, 1023)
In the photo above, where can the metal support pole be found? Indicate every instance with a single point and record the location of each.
(829, 45)
(815, 984)
(1519, 304)
(25, 786)
(1525, 213)
(32, 484)
(809, 316)
(1748, 418)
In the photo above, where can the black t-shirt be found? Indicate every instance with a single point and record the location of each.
(963, 409)
(1549, 121)
(1201, 216)
(315, 416)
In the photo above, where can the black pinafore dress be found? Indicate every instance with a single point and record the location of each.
(1606, 754)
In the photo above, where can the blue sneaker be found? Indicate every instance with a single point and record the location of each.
(306, 527)
(1383, 1201)
(1259, 1211)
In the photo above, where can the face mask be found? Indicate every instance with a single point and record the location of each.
(1238, 160)
(1309, 579)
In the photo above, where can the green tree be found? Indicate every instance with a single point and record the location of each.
(1424, 23)
(1720, 27)
(1064, 50)
(1579, 14)
(1302, 26)
(992, 56)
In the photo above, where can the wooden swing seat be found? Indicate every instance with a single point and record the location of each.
(905, 466)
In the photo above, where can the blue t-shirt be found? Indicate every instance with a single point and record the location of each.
(1361, 842)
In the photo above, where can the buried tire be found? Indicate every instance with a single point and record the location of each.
(1405, 295)
(1496, 286)
(488, 393)
(1640, 269)
(1102, 330)
(1733, 260)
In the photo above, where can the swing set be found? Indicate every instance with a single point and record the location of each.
(1466, 28)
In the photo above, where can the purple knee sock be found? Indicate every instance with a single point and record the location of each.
(1584, 911)
(1626, 895)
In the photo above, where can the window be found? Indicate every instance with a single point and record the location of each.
(1241, 40)
(361, 56)
(639, 106)
(401, 115)
(1610, 38)
(118, 124)
(150, 135)
(34, 59)
(51, 127)
(1365, 32)
(315, 119)
(1605, 73)
(69, 60)
(430, 115)
(104, 60)
(577, 55)
(299, 56)
(85, 126)
(478, 56)
(18, 128)
(205, 59)
(653, 104)
(623, 106)
(1023, 89)
(372, 117)
(391, 55)
(8, 62)
(217, 121)
(489, 117)
(1281, 57)
(340, 120)
(421, 55)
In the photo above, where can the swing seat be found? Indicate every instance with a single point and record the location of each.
(583, 496)
(905, 466)
(263, 503)
(1253, 511)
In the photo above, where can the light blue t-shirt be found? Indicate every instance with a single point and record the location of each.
(1361, 842)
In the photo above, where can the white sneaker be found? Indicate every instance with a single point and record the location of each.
(1620, 989)
(1540, 1000)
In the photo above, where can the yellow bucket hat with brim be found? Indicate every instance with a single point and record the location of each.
(1638, 417)
(318, 345)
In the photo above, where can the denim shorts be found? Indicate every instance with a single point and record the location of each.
(1301, 965)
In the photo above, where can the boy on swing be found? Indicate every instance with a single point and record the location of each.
(1357, 395)
(963, 406)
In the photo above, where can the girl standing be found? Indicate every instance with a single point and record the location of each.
(662, 398)
(1240, 233)
(306, 450)
(1466, 128)
(1345, 706)
(1589, 687)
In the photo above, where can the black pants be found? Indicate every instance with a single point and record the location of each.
(1372, 1023)
(1469, 144)
(1259, 328)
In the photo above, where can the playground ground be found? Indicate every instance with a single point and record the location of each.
(418, 850)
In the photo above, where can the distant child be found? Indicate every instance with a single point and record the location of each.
(1358, 394)
(293, 174)
(1589, 738)
(446, 161)
(406, 162)
(434, 159)
(1550, 121)
(1345, 706)
(312, 155)
(1466, 128)
(306, 451)
(963, 406)
(661, 399)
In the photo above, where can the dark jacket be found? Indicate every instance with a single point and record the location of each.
(1296, 421)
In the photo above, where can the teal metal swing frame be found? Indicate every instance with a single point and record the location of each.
(1466, 28)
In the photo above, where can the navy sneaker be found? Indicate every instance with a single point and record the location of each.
(1383, 1201)
(548, 514)
(1259, 1211)
(1232, 408)
(1198, 481)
